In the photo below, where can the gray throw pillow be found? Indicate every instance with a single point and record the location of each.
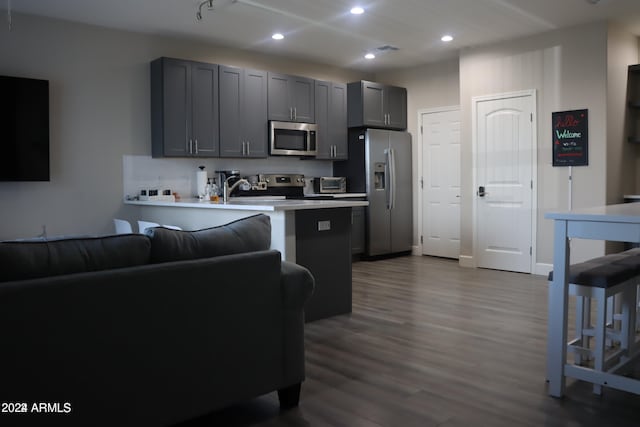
(244, 235)
(21, 260)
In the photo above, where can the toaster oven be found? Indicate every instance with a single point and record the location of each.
(330, 184)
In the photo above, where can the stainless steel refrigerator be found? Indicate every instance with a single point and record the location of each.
(379, 165)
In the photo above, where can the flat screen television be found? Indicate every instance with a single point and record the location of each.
(24, 129)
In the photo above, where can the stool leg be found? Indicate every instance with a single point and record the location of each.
(631, 307)
(612, 304)
(586, 324)
(638, 308)
(579, 336)
(600, 335)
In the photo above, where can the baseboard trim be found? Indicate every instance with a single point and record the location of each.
(466, 261)
(542, 269)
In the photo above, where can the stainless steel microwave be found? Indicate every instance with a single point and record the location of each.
(292, 139)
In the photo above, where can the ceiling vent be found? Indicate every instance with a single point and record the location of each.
(387, 48)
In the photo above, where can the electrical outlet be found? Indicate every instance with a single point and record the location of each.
(324, 225)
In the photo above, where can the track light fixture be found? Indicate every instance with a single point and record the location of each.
(219, 4)
(209, 4)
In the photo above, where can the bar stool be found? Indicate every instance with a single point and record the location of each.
(601, 279)
(122, 226)
(143, 225)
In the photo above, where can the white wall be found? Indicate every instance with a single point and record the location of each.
(99, 112)
(428, 86)
(622, 51)
(568, 70)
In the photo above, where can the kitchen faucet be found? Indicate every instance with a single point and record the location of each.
(227, 190)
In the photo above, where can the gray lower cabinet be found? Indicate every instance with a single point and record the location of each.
(291, 98)
(323, 245)
(358, 230)
(184, 108)
(243, 112)
(377, 105)
(331, 120)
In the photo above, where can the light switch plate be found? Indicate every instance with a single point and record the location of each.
(324, 225)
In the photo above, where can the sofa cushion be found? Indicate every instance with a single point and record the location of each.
(21, 260)
(244, 235)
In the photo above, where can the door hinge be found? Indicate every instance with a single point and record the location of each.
(421, 182)
(531, 117)
(532, 184)
(530, 250)
(421, 131)
(421, 239)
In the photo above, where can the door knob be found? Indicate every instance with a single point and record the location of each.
(481, 192)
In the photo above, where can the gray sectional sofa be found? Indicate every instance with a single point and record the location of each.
(148, 330)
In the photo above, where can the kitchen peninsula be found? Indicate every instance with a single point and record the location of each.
(193, 214)
(312, 233)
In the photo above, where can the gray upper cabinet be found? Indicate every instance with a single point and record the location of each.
(184, 108)
(243, 112)
(376, 105)
(291, 98)
(331, 120)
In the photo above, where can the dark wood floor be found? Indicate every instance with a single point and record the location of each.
(433, 344)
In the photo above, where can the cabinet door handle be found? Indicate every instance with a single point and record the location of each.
(190, 146)
(196, 146)
(248, 148)
(243, 147)
(290, 113)
(295, 113)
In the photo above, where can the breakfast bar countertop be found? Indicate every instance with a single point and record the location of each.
(263, 204)
(193, 214)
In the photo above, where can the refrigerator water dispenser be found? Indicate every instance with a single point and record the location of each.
(378, 174)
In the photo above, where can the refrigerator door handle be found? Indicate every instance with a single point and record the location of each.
(387, 177)
(392, 178)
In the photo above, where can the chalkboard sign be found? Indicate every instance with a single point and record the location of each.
(570, 138)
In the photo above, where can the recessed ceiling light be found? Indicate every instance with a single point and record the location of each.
(369, 56)
(277, 36)
(446, 38)
(357, 10)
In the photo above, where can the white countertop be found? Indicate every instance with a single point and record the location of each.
(624, 212)
(256, 204)
(338, 195)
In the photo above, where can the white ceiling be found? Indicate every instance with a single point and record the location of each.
(324, 31)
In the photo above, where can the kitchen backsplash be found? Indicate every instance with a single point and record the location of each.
(179, 174)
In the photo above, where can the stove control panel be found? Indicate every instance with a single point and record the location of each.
(282, 180)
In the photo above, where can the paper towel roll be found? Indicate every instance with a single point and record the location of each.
(201, 182)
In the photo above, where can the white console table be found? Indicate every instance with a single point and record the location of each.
(613, 222)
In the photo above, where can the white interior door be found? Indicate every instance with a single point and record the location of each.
(441, 187)
(504, 178)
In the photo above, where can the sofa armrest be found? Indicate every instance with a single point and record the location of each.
(297, 285)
